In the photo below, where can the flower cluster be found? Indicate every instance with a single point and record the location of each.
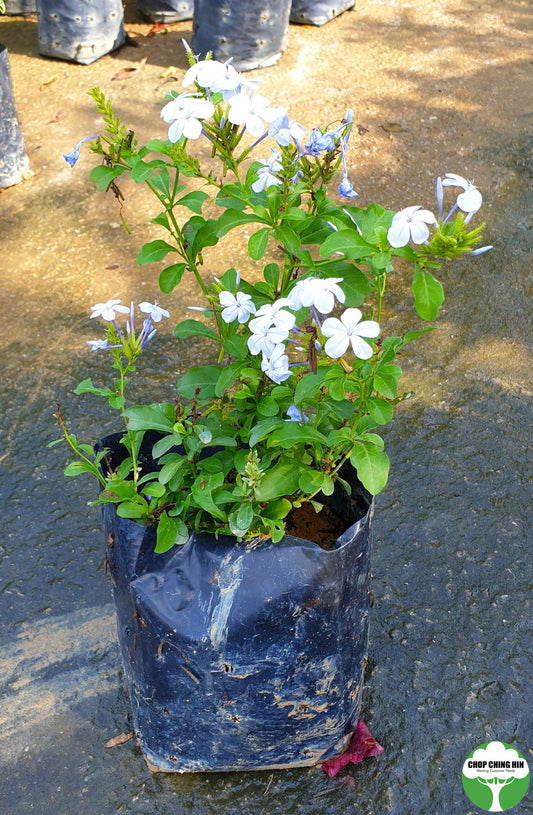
(303, 373)
(271, 327)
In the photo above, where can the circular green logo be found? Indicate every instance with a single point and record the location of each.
(495, 776)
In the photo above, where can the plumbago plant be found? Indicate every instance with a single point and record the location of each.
(303, 375)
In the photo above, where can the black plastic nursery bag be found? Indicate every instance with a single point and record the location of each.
(318, 12)
(166, 11)
(242, 656)
(13, 159)
(253, 33)
(80, 30)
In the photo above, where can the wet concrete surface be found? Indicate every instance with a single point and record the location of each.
(437, 88)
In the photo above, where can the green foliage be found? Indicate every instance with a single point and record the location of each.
(242, 443)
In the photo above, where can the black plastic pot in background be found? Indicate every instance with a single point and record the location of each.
(166, 11)
(80, 30)
(20, 7)
(14, 162)
(243, 656)
(253, 32)
(318, 12)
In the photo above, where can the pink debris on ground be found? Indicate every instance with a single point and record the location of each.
(362, 745)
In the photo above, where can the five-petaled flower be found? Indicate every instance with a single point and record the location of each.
(276, 366)
(265, 174)
(410, 222)
(317, 292)
(184, 113)
(284, 131)
(251, 111)
(155, 311)
(237, 307)
(107, 310)
(349, 330)
(468, 201)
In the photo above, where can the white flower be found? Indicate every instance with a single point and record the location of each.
(107, 310)
(283, 130)
(265, 177)
(317, 292)
(228, 82)
(410, 222)
(98, 345)
(277, 366)
(185, 113)
(468, 201)
(155, 311)
(349, 330)
(238, 307)
(204, 73)
(270, 326)
(248, 110)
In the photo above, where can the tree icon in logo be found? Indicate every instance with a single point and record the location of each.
(495, 776)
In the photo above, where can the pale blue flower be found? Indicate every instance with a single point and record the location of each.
(251, 111)
(468, 201)
(318, 293)
(72, 157)
(296, 415)
(276, 367)
(410, 223)
(346, 189)
(107, 310)
(155, 311)
(185, 113)
(204, 73)
(284, 131)
(319, 141)
(265, 174)
(237, 307)
(98, 345)
(349, 330)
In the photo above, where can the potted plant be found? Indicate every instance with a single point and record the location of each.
(238, 510)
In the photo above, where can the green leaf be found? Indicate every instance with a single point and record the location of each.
(130, 509)
(271, 275)
(263, 428)
(288, 237)
(104, 175)
(380, 410)
(170, 532)
(372, 466)
(194, 328)
(257, 243)
(151, 417)
(282, 479)
(309, 385)
(239, 521)
(203, 377)
(154, 490)
(356, 287)
(87, 387)
(232, 218)
(201, 492)
(386, 380)
(154, 251)
(375, 218)
(267, 406)
(78, 467)
(349, 242)
(236, 346)
(428, 294)
(277, 510)
(310, 481)
(193, 200)
(171, 276)
(292, 433)
(141, 171)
